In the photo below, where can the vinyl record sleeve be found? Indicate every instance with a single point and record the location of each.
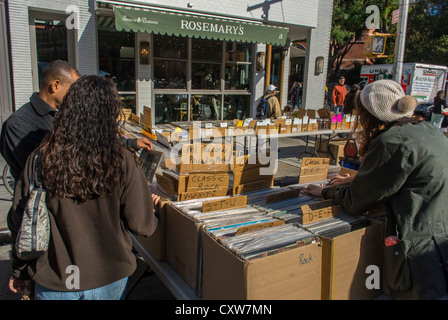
(150, 162)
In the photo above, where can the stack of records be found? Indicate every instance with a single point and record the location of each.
(193, 207)
(287, 210)
(268, 241)
(336, 226)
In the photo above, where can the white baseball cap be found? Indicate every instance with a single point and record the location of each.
(271, 87)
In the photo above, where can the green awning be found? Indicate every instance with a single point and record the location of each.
(158, 22)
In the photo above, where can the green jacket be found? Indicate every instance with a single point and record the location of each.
(406, 168)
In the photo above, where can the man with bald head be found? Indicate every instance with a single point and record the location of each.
(24, 130)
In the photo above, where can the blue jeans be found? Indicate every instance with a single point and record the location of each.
(296, 101)
(113, 291)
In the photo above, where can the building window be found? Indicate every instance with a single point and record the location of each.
(170, 62)
(236, 107)
(51, 42)
(116, 51)
(169, 74)
(200, 79)
(171, 108)
(205, 107)
(205, 76)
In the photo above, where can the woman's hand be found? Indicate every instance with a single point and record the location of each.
(338, 180)
(18, 285)
(155, 199)
(144, 143)
(313, 190)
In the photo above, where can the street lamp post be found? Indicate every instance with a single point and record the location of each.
(401, 40)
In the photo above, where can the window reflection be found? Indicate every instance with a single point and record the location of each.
(205, 76)
(236, 107)
(129, 101)
(170, 47)
(116, 58)
(205, 107)
(51, 42)
(206, 49)
(170, 108)
(238, 52)
(169, 74)
(237, 76)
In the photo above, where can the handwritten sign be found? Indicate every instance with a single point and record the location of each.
(256, 185)
(283, 195)
(202, 194)
(204, 181)
(258, 226)
(314, 169)
(222, 204)
(319, 211)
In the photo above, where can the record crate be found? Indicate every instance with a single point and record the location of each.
(294, 274)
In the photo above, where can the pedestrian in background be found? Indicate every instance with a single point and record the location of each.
(96, 194)
(338, 95)
(274, 109)
(405, 169)
(296, 95)
(439, 105)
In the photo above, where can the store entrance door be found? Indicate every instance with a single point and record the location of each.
(50, 40)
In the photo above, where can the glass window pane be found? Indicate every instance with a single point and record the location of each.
(205, 76)
(236, 107)
(237, 76)
(129, 102)
(169, 74)
(171, 107)
(237, 51)
(51, 42)
(205, 107)
(276, 63)
(170, 47)
(206, 49)
(116, 58)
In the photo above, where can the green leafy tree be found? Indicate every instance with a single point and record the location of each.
(427, 32)
(349, 24)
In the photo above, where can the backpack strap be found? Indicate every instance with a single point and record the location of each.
(36, 173)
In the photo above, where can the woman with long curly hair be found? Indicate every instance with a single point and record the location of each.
(96, 194)
(404, 168)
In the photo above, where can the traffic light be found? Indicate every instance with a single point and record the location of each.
(375, 45)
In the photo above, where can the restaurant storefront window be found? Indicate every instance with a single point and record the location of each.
(236, 107)
(171, 108)
(170, 62)
(193, 78)
(205, 107)
(116, 51)
(203, 80)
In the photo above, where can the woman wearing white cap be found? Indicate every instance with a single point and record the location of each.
(405, 169)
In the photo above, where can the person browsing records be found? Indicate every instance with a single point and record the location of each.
(96, 194)
(404, 169)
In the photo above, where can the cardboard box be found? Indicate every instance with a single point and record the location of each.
(156, 243)
(183, 246)
(344, 262)
(280, 276)
(332, 150)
